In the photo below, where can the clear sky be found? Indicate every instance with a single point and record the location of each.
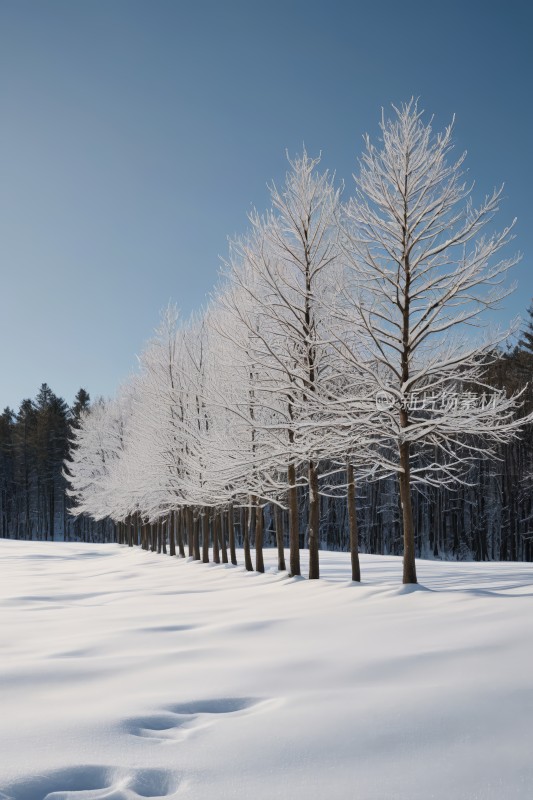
(136, 135)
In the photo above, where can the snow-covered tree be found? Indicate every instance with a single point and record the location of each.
(423, 274)
(99, 441)
(283, 266)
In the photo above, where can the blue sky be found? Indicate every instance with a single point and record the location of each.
(137, 135)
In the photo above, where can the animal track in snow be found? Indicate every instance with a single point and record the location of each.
(176, 722)
(95, 783)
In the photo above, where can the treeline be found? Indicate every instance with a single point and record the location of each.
(490, 519)
(34, 442)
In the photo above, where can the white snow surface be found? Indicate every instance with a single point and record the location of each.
(127, 675)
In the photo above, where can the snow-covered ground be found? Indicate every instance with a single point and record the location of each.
(125, 674)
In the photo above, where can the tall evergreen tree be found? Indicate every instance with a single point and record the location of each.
(81, 404)
(7, 423)
(25, 467)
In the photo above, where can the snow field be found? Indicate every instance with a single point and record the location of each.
(129, 675)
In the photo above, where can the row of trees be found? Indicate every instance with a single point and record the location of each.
(337, 349)
(490, 518)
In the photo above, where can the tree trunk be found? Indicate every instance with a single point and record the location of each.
(190, 532)
(409, 566)
(195, 535)
(180, 519)
(294, 537)
(259, 529)
(352, 521)
(222, 530)
(215, 523)
(172, 533)
(248, 517)
(231, 531)
(278, 522)
(314, 522)
(205, 536)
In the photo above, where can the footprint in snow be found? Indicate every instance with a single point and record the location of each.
(177, 722)
(95, 783)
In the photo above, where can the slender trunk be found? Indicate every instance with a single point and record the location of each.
(190, 531)
(409, 566)
(205, 536)
(259, 528)
(246, 540)
(294, 536)
(184, 525)
(222, 530)
(352, 520)
(314, 522)
(172, 533)
(164, 526)
(242, 525)
(180, 517)
(158, 524)
(195, 533)
(52, 515)
(215, 524)
(278, 522)
(231, 529)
